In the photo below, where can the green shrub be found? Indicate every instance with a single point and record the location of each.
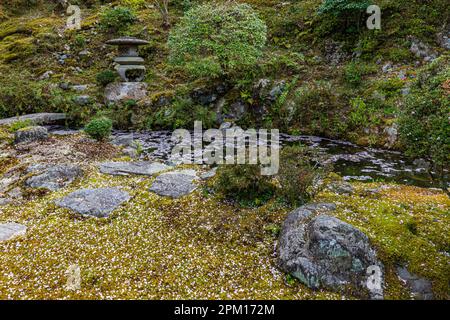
(347, 13)
(424, 121)
(181, 114)
(299, 174)
(243, 183)
(21, 94)
(16, 126)
(314, 106)
(117, 20)
(99, 128)
(216, 39)
(105, 77)
(355, 71)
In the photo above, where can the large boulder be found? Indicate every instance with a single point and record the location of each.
(325, 252)
(94, 202)
(175, 184)
(52, 177)
(30, 134)
(123, 91)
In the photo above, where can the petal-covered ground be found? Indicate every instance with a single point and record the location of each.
(154, 247)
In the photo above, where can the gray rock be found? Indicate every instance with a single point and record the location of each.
(126, 140)
(277, 90)
(421, 288)
(209, 174)
(80, 87)
(334, 52)
(387, 67)
(82, 100)
(46, 75)
(341, 188)
(36, 118)
(122, 91)
(391, 135)
(130, 152)
(238, 109)
(421, 50)
(94, 202)
(30, 134)
(443, 38)
(4, 201)
(325, 252)
(127, 168)
(11, 230)
(405, 91)
(174, 184)
(53, 177)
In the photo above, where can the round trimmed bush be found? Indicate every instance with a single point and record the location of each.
(217, 39)
(99, 128)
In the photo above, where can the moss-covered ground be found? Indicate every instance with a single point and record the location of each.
(199, 247)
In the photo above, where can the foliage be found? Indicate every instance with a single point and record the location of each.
(217, 39)
(243, 183)
(16, 126)
(299, 174)
(345, 12)
(424, 123)
(181, 114)
(106, 77)
(355, 71)
(117, 20)
(99, 128)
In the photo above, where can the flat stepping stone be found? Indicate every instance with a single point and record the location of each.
(11, 230)
(175, 184)
(36, 118)
(94, 202)
(126, 168)
(53, 177)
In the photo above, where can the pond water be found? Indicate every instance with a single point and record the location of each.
(351, 161)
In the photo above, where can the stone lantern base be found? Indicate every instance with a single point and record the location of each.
(123, 91)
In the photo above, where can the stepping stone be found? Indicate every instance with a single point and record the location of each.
(175, 184)
(94, 202)
(53, 177)
(36, 118)
(127, 168)
(11, 230)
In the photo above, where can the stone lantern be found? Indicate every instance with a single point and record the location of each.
(131, 69)
(129, 65)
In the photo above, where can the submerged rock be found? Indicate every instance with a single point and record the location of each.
(174, 184)
(127, 168)
(53, 177)
(325, 252)
(11, 230)
(94, 202)
(30, 134)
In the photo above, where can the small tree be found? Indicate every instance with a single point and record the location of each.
(218, 39)
(163, 7)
